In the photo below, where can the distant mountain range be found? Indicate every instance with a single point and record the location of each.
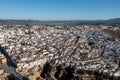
(65, 22)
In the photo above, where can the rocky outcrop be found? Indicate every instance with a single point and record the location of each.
(62, 72)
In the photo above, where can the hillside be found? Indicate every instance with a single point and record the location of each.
(65, 22)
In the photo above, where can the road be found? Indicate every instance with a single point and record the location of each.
(10, 62)
(11, 66)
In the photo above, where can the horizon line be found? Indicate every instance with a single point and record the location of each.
(60, 19)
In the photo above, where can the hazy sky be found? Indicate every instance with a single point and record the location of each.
(59, 9)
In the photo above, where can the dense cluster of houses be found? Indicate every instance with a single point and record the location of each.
(86, 47)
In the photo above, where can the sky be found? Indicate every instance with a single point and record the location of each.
(59, 9)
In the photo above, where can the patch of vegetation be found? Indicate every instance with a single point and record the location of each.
(115, 33)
